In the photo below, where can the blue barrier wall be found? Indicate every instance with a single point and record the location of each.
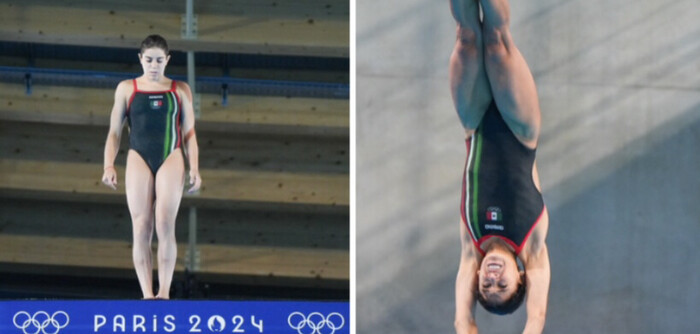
(53, 317)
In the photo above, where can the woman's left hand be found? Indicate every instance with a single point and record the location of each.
(195, 181)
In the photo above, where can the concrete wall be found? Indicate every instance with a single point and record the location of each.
(619, 88)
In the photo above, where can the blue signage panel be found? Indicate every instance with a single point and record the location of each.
(53, 317)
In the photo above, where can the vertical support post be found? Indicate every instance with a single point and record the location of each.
(28, 84)
(192, 260)
(224, 95)
(190, 32)
(191, 81)
(189, 12)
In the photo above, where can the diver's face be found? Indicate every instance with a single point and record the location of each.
(498, 276)
(153, 60)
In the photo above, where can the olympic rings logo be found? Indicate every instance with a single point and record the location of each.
(315, 322)
(41, 322)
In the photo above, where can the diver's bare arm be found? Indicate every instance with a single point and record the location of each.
(465, 285)
(538, 276)
(190, 137)
(116, 123)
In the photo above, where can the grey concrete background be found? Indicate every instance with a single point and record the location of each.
(619, 87)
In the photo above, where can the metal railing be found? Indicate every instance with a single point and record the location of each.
(212, 85)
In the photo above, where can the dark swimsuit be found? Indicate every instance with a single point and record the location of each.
(154, 123)
(499, 196)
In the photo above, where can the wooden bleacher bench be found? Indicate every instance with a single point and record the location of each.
(282, 27)
(223, 188)
(232, 264)
(91, 106)
(229, 263)
(269, 264)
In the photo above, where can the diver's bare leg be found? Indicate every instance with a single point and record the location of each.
(468, 81)
(139, 196)
(170, 181)
(512, 84)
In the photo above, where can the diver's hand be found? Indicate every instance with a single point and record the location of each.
(109, 177)
(195, 181)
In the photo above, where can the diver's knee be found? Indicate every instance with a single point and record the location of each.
(497, 44)
(468, 42)
(142, 228)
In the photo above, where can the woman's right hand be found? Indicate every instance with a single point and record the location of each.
(109, 178)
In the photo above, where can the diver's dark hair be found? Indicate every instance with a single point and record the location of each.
(509, 305)
(155, 41)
